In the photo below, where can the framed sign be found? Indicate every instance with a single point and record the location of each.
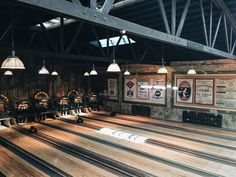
(112, 88)
(211, 91)
(146, 88)
(204, 91)
(184, 91)
(143, 89)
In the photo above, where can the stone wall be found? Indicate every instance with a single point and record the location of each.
(168, 111)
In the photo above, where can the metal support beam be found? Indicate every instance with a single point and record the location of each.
(97, 39)
(76, 2)
(226, 34)
(86, 14)
(132, 48)
(30, 40)
(48, 36)
(74, 38)
(228, 14)
(210, 26)
(93, 4)
(173, 17)
(124, 3)
(231, 38)
(217, 30)
(53, 55)
(204, 22)
(183, 17)
(233, 48)
(164, 17)
(107, 6)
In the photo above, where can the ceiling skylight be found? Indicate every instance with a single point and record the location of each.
(112, 41)
(55, 22)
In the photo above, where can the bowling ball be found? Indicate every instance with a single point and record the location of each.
(80, 120)
(113, 114)
(33, 129)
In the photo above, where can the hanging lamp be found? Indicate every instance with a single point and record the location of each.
(8, 73)
(126, 73)
(43, 70)
(113, 67)
(162, 69)
(93, 72)
(12, 61)
(54, 73)
(191, 71)
(86, 74)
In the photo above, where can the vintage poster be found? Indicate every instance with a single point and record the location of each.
(112, 88)
(204, 91)
(185, 91)
(225, 91)
(143, 89)
(130, 89)
(158, 91)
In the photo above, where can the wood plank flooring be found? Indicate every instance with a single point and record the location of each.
(167, 151)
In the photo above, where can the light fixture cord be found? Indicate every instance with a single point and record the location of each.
(12, 34)
(162, 54)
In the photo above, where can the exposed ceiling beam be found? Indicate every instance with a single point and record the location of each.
(125, 3)
(92, 16)
(53, 55)
(220, 4)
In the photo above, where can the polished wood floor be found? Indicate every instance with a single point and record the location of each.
(63, 147)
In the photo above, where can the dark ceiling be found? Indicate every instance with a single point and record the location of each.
(36, 44)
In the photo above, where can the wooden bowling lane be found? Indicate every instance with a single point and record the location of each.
(151, 166)
(193, 162)
(70, 165)
(168, 131)
(198, 128)
(12, 165)
(204, 148)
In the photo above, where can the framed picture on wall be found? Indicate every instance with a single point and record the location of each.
(184, 90)
(204, 91)
(112, 88)
(130, 89)
(143, 89)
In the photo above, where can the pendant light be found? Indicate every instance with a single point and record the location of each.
(162, 69)
(12, 61)
(126, 73)
(86, 74)
(93, 72)
(54, 73)
(8, 73)
(43, 70)
(113, 67)
(191, 71)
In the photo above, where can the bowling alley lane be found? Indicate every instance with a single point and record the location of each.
(168, 131)
(187, 126)
(12, 165)
(151, 166)
(177, 157)
(70, 165)
(207, 148)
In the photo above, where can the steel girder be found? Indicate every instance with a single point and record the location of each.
(103, 19)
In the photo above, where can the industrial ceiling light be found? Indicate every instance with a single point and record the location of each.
(162, 69)
(8, 73)
(127, 73)
(86, 74)
(113, 67)
(12, 61)
(191, 71)
(93, 72)
(54, 73)
(43, 70)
